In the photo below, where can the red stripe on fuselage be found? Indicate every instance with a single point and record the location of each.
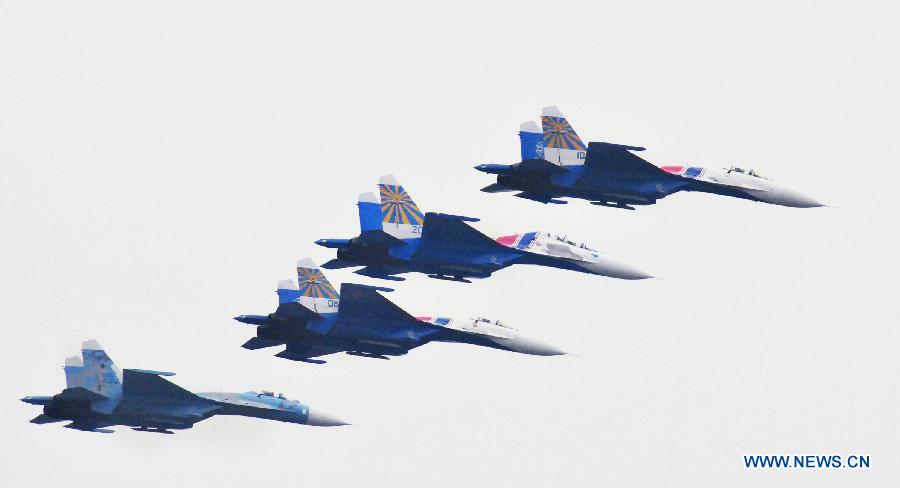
(507, 240)
(672, 169)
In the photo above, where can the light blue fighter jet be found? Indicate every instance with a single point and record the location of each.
(99, 395)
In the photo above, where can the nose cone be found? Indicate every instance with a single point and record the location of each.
(796, 199)
(528, 345)
(788, 198)
(322, 419)
(615, 269)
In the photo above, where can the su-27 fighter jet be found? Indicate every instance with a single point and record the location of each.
(99, 395)
(312, 320)
(556, 163)
(397, 238)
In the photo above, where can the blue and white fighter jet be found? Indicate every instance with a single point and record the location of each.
(99, 395)
(313, 320)
(556, 164)
(396, 237)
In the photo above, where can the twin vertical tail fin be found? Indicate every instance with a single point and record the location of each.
(94, 371)
(561, 144)
(369, 212)
(400, 216)
(288, 291)
(532, 141)
(313, 289)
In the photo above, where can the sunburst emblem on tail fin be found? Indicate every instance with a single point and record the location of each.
(314, 284)
(397, 207)
(559, 134)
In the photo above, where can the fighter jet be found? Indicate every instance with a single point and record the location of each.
(556, 163)
(99, 395)
(313, 320)
(397, 238)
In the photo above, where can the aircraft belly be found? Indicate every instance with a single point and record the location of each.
(450, 263)
(159, 414)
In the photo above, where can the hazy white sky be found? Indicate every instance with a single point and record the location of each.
(163, 165)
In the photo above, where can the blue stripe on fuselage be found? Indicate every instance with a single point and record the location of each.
(526, 240)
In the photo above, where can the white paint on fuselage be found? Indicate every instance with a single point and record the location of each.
(754, 185)
(499, 334)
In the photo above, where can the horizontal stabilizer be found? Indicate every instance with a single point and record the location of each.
(45, 419)
(339, 264)
(541, 166)
(380, 273)
(294, 310)
(82, 394)
(496, 188)
(88, 427)
(378, 238)
(138, 383)
(305, 353)
(537, 197)
(260, 343)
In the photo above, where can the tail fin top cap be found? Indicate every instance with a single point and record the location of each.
(551, 111)
(287, 284)
(530, 127)
(74, 361)
(91, 345)
(306, 263)
(368, 197)
(388, 180)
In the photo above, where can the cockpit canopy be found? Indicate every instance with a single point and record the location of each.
(483, 320)
(271, 394)
(748, 172)
(564, 239)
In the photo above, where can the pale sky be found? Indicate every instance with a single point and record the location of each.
(164, 165)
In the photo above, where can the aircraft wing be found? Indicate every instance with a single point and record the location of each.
(440, 230)
(363, 309)
(618, 160)
(149, 384)
(365, 302)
